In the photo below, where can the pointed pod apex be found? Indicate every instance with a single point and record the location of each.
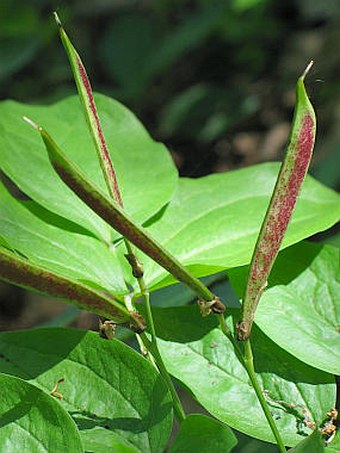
(32, 123)
(58, 21)
(306, 71)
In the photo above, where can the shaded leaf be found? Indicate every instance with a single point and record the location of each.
(106, 384)
(204, 434)
(32, 421)
(101, 440)
(313, 443)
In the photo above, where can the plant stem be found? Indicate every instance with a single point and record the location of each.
(249, 365)
(247, 361)
(153, 348)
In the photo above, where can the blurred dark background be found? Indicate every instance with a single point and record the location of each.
(214, 80)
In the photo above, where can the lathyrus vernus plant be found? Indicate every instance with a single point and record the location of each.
(107, 230)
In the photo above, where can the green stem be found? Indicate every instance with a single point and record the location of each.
(249, 364)
(247, 361)
(153, 348)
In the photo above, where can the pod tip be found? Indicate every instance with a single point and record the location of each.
(31, 123)
(58, 21)
(308, 68)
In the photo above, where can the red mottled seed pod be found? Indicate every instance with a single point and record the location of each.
(291, 176)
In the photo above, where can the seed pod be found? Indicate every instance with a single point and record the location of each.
(91, 114)
(20, 271)
(110, 211)
(291, 176)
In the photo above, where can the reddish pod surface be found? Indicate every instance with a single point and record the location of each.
(281, 206)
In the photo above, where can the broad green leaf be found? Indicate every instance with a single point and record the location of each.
(32, 421)
(203, 434)
(145, 171)
(101, 440)
(212, 222)
(106, 384)
(313, 443)
(300, 311)
(197, 353)
(58, 245)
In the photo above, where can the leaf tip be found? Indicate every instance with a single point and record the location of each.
(306, 71)
(58, 21)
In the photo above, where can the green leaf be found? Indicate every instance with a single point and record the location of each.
(203, 434)
(106, 384)
(197, 353)
(145, 171)
(313, 443)
(32, 421)
(212, 222)
(300, 310)
(58, 245)
(101, 440)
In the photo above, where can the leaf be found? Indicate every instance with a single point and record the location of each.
(313, 443)
(281, 206)
(145, 171)
(300, 310)
(101, 440)
(197, 353)
(204, 434)
(32, 421)
(212, 222)
(106, 383)
(58, 245)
